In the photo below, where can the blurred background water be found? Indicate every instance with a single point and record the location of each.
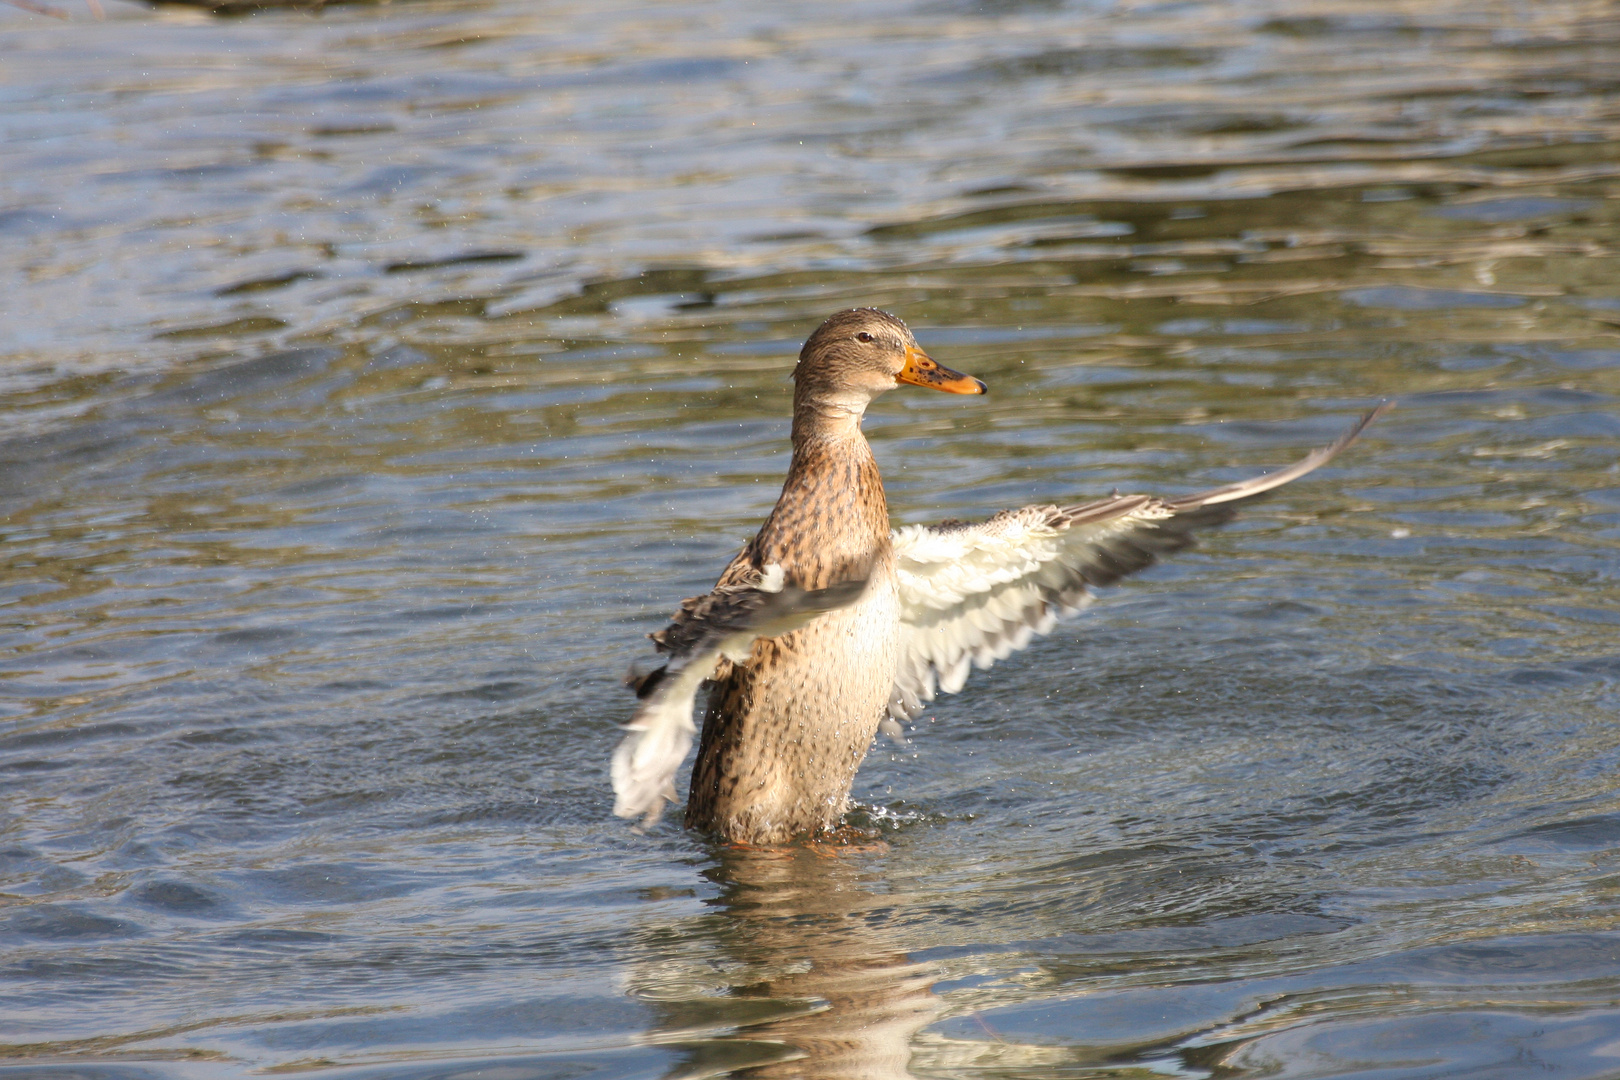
(372, 380)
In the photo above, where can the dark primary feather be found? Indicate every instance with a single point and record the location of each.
(703, 622)
(1189, 514)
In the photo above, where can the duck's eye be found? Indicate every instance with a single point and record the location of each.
(863, 336)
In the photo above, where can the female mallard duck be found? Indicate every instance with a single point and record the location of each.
(827, 619)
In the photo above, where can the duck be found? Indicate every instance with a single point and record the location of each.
(830, 624)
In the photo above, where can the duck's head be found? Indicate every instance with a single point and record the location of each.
(858, 354)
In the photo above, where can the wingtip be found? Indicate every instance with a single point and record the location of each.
(1354, 432)
(1309, 463)
(1366, 420)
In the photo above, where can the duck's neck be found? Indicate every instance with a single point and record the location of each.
(828, 419)
(831, 522)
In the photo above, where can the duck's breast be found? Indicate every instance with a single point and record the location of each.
(787, 730)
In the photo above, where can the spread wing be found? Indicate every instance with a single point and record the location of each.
(973, 593)
(724, 623)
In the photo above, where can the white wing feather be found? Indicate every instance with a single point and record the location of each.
(724, 623)
(972, 594)
(660, 734)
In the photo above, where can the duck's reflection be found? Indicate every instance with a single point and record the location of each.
(801, 925)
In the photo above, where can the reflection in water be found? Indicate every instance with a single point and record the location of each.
(810, 923)
(805, 925)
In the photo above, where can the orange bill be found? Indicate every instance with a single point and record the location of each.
(920, 370)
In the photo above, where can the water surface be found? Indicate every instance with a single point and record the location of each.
(372, 382)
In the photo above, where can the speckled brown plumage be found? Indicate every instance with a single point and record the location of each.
(786, 729)
(826, 620)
